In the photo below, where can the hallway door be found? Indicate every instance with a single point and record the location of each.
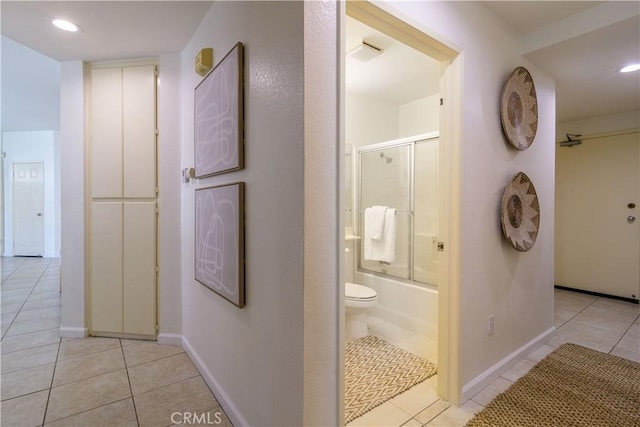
(28, 209)
(597, 210)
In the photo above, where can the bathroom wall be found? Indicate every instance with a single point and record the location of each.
(369, 120)
(517, 288)
(245, 354)
(420, 116)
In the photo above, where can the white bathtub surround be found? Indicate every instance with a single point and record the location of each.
(410, 306)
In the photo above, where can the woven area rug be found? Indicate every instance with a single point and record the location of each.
(573, 386)
(376, 371)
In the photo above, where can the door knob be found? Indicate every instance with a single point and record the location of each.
(631, 219)
(39, 214)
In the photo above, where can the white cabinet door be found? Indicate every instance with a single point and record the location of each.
(597, 239)
(139, 279)
(123, 191)
(106, 266)
(106, 132)
(28, 209)
(139, 136)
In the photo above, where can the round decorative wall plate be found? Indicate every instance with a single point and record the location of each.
(519, 109)
(520, 213)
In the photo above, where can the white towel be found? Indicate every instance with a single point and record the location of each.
(385, 248)
(374, 221)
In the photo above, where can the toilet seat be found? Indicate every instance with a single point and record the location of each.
(356, 292)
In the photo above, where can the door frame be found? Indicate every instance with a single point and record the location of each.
(13, 213)
(449, 369)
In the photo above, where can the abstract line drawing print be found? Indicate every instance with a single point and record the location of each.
(218, 240)
(218, 113)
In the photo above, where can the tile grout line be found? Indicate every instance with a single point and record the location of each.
(87, 410)
(110, 372)
(133, 400)
(625, 333)
(26, 299)
(439, 413)
(53, 375)
(578, 312)
(401, 410)
(176, 382)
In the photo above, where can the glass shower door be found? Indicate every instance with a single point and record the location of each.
(426, 208)
(385, 181)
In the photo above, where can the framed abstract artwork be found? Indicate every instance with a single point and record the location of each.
(219, 240)
(218, 117)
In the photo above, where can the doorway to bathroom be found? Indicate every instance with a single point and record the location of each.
(398, 207)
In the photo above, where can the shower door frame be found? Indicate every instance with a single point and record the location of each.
(357, 209)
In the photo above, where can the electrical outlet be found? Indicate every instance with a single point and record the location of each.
(492, 320)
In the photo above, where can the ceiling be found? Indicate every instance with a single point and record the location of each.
(111, 30)
(581, 44)
(381, 77)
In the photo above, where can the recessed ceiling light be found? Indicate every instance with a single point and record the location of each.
(65, 25)
(629, 68)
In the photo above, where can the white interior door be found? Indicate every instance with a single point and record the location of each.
(28, 209)
(597, 210)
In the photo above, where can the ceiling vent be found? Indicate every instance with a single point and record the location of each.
(365, 51)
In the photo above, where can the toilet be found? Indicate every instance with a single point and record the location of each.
(358, 300)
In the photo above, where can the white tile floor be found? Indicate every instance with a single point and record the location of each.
(115, 382)
(602, 324)
(50, 381)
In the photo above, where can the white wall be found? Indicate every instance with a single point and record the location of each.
(370, 120)
(419, 116)
(253, 357)
(30, 89)
(323, 388)
(495, 279)
(601, 124)
(169, 182)
(72, 162)
(38, 146)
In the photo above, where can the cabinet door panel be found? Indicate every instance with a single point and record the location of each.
(106, 132)
(106, 266)
(139, 122)
(139, 268)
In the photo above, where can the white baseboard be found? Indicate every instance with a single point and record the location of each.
(487, 377)
(170, 339)
(227, 404)
(66, 332)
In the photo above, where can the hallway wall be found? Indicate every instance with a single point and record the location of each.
(253, 357)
